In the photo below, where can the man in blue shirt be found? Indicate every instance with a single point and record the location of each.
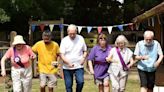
(149, 54)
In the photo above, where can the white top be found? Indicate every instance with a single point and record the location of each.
(116, 66)
(73, 50)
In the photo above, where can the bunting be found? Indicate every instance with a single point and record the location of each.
(99, 29)
(131, 26)
(89, 28)
(51, 27)
(109, 29)
(33, 27)
(120, 27)
(137, 26)
(79, 28)
(61, 27)
(42, 27)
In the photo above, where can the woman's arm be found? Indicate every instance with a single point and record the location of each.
(132, 62)
(90, 65)
(3, 71)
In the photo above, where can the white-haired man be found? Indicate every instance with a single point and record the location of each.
(149, 54)
(73, 52)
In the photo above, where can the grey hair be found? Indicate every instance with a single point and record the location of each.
(121, 38)
(72, 27)
(47, 33)
(148, 32)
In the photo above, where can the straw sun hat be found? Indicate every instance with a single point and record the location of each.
(18, 39)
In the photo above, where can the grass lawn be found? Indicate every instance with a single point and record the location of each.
(89, 86)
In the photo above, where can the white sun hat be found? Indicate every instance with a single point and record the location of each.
(18, 39)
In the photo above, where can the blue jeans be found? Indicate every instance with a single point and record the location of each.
(68, 77)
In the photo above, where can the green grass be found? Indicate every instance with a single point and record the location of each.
(89, 86)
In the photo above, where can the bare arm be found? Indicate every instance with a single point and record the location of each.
(3, 71)
(145, 57)
(157, 63)
(66, 61)
(90, 65)
(84, 57)
(132, 61)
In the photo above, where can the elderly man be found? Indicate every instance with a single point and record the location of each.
(149, 54)
(73, 52)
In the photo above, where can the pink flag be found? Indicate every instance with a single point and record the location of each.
(130, 25)
(42, 27)
(99, 29)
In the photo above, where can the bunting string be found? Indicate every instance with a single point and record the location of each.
(89, 28)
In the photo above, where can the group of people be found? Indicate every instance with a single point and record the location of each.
(106, 63)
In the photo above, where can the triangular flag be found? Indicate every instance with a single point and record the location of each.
(137, 26)
(110, 29)
(42, 27)
(33, 27)
(61, 27)
(120, 27)
(79, 28)
(99, 29)
(51, 27)
(131, 26)
(89, 28)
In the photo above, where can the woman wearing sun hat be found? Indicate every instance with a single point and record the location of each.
(20, 56)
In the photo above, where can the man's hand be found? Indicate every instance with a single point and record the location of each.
(145, 57)
(70, 65)
(82, 61)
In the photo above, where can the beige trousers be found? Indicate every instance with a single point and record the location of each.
(118, 82)
(22, 79)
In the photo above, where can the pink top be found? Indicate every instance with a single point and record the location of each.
(25, 54)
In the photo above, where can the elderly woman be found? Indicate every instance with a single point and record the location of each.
(97, 58)
(121, 60)
(21, 70)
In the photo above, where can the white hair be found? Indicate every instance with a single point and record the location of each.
(72, 27)
(148, 33)
(121, 38)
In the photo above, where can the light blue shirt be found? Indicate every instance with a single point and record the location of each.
(151, 51)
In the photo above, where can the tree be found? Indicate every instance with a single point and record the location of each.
(95, 12)
(133, 8)
(80, 12)
(3, 16)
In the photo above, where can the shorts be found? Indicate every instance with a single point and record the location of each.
(50, 79)
(147, 79)
(101, 81)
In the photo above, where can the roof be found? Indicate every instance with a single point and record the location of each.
(154, 11)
